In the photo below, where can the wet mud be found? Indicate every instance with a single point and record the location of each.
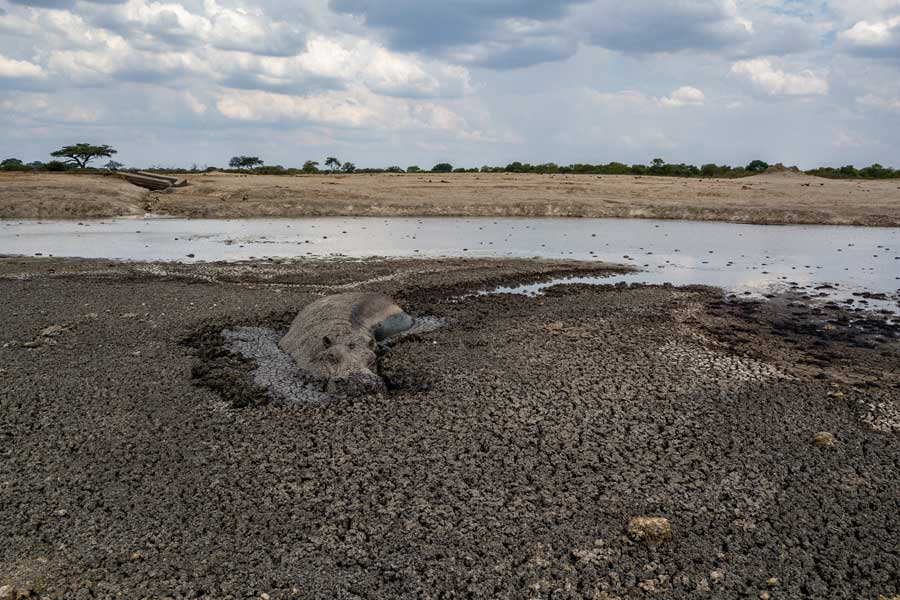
(521, 441)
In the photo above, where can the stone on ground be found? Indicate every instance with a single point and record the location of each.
(650, 530)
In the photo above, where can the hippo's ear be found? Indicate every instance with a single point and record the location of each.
(327, 342)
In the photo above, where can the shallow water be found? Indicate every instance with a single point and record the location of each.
(737, 257)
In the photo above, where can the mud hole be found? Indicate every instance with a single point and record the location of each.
(245, 366)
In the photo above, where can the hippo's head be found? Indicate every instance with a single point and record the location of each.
(348, 364)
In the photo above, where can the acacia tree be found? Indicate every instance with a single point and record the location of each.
(348, 167)
(311, 166)
(81, 154)
(244, 162)
(332, 163)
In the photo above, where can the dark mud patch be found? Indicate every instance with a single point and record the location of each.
(857, 354)
(243, 364)
(223, 371)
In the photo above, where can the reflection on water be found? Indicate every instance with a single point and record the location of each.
(733, 256)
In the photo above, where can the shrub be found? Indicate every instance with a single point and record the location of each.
(442, 168)
(56, 165)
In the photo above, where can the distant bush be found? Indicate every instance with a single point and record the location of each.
(442, 168)
(757, 166)
(57, 165)
(12, 164)
(393, 170)
(413, 169)
(875, 171)
(270, 170)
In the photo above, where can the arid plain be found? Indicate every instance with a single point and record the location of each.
(772, 198)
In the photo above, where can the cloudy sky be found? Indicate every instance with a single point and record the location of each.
(472, 82)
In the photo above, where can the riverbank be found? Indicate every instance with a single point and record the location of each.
(515, 446)
(774, 198)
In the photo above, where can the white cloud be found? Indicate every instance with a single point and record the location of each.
(39, 106)
(776, 82)
(873, 34)
(356, 107)
(878, 102)
(843, 139)
(19, 69)
(684, 96)
(196, 107)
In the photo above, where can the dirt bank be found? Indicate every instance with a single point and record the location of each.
(63, 196)
(517, 444)
(777, 198)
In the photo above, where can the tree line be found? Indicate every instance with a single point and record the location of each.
(78, 156)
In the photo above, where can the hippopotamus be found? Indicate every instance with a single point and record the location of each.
(335, 339)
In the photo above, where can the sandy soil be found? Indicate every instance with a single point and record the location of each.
(507, 459)
(778, 198)
(63, 196)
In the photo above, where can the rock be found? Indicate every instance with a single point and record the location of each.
(650, 530)
(7, 593)
(772, 581)
(824, 439)
(716, 576)
(52, 331)
(32, 344)
(764, 596)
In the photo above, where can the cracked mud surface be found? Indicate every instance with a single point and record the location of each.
(545, 426)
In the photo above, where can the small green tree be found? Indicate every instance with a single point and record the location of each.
(442, 168)
(11, 164)
(311, 166)
(757, 166)
(332, 163)
(82, 154)
(413, 169)
(348, 167)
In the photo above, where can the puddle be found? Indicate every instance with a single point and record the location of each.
(740, 258)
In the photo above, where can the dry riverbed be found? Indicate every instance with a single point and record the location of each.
(510, 458)
(775, 198)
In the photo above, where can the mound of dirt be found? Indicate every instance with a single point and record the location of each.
(65, 195)
(780, 168)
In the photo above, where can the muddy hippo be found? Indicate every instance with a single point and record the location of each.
(336, 338)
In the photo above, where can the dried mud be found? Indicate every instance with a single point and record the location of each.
(521, 440)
